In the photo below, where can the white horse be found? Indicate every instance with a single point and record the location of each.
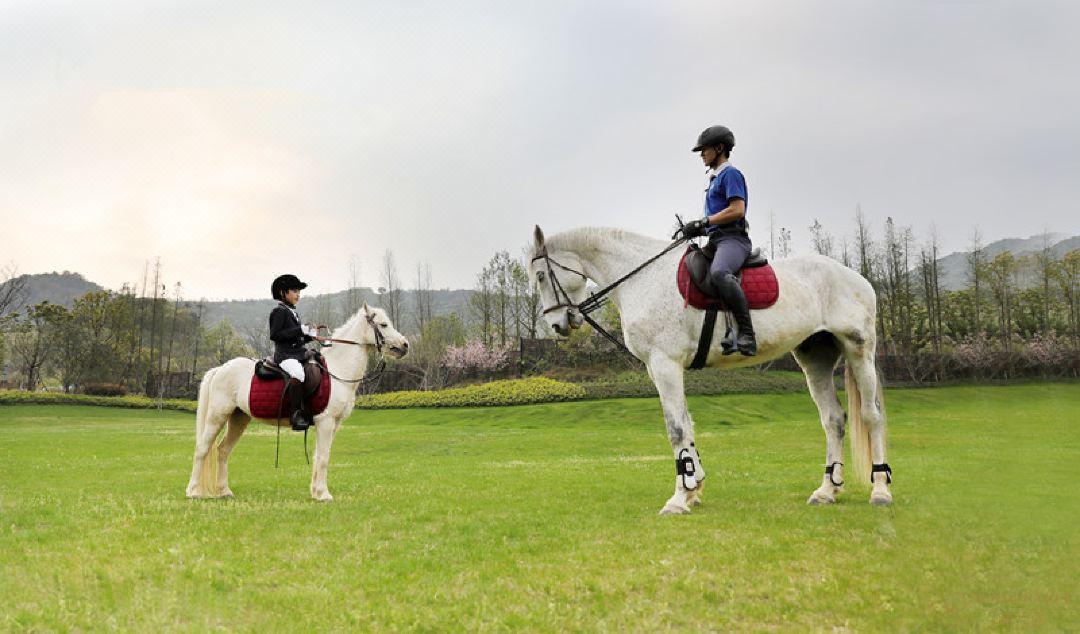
(824, 311)
(223, 398)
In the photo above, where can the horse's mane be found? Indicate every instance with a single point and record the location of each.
(601, 239)
(352, 322)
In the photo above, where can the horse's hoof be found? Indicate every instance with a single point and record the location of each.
(674, 509)
(227, 494)
(323, 498)
(818, 498)
(695, 502)
(879, 499)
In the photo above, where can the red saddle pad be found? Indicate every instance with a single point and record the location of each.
(758, 283)
(268, 400)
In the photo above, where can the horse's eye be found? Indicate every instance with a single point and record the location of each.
(383, 325)
(540, 276)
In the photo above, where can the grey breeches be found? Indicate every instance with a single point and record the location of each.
(731, 253)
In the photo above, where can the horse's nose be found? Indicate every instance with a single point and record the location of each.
(558, 330)
(405, 344)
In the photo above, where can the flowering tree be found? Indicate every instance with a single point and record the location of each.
(475, 356)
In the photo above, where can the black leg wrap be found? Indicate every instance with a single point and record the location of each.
(829, 472)
(684, 466)
(881, 468)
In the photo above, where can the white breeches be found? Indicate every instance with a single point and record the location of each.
(294, 368)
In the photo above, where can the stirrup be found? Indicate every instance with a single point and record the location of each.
(299, 422)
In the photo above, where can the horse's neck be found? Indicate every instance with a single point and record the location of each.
(344, 358)
(607, 255)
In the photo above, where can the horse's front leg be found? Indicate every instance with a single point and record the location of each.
(668, 377)
(324, 437)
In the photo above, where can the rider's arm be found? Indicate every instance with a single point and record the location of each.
(735, 210)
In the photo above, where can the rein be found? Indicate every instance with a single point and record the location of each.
(597, 299)
(376, 374)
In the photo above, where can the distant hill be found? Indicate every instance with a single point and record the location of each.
(57, 288)
(954, 267)
(247, 314)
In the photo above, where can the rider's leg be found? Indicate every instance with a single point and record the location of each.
(300, 419)
(731, 253)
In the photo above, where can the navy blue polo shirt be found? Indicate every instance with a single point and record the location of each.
(730, 183)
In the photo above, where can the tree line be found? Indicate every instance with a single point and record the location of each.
(1009, 303)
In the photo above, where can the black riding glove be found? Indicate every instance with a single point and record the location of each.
(695, 228)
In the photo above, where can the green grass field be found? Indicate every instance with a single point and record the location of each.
(544, 518)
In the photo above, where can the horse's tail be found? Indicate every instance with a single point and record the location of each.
(859, 433)
(208, 475)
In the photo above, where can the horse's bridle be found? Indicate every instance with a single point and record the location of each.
(557, 287)
(380, 341)
(597, 299)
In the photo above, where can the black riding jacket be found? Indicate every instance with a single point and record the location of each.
(285, 332)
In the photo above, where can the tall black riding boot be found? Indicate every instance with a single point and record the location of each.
(301, 418)
(731, 294)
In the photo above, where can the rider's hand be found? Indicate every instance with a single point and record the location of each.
(309, 330)
(695, 228)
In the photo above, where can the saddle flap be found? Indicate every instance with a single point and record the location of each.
(697, 264)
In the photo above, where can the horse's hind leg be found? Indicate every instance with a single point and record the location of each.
(818, 356)
(201, 485)
(238, 422)
(859, 353)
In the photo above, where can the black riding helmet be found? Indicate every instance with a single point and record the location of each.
(287, 282)
(713, 136)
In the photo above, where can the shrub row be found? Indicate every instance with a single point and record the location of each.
(508, 392)
(512, 392)
(18, 397)
(705, 382)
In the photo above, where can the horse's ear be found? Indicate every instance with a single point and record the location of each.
(538, 239)
(366, 309)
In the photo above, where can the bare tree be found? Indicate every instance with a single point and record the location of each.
(353, 298)
(32, 340)
(999, 275)
(785, 242)
(423, 295)
(976, 261)
(482, 304)
(12, 289)
(820, 239)
(1045, 263)
(391, 284)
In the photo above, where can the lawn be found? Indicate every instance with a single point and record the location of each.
(544, 518)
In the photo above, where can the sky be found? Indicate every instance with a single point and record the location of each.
(237, 141)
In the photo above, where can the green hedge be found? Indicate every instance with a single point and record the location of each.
(514, 392)
(17, 397)
(705, 382)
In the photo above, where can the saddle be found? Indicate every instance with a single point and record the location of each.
(756, 276)
(267, 370)
(268, 399)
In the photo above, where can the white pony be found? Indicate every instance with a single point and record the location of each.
(824, 311)
(223, 398)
